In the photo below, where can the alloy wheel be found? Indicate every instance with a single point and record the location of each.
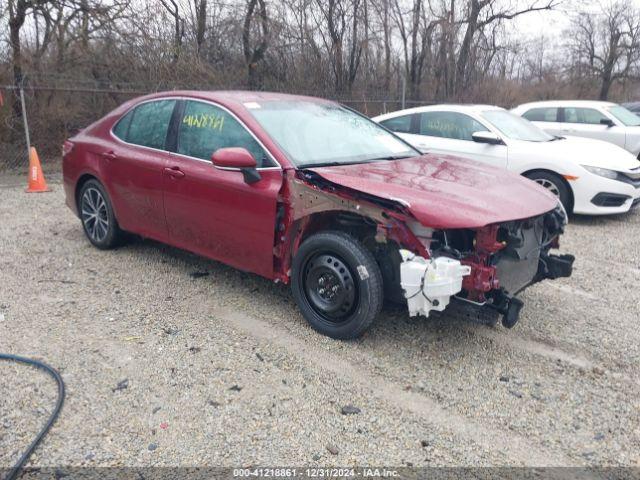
(95, 215)
(549, 185)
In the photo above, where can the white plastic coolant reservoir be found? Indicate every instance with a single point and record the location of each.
(429, 284)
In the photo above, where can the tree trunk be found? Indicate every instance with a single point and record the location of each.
(201, 25)
(255, 55)
(465, 48)
(387, 47)
(414, 73)
(609, 64)
(16, 21)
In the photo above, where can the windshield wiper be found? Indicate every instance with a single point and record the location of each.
(338, 164)
(389, 157)
(327, 164)
(557, 137)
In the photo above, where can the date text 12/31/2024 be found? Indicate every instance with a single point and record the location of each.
(316, 472)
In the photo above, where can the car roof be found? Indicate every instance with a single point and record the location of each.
(566, 103)
(237, 97)
(448, 107)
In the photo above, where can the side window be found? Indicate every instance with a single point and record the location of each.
(150, 122)
(457, 126)
(204, 128)
(399, 124)
(122, 127)
(583, 115)
(542, 115)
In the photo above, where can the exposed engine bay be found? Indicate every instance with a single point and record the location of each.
(486, 267)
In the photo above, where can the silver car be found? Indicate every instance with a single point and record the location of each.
(600, 120)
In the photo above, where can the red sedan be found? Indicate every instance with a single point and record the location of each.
(308, 192)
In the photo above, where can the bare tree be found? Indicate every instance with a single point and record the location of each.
(201, 24)
(607, 44)
(480, 14)
(253, 54)
(178, 30)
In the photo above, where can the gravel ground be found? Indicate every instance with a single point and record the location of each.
(165, 369)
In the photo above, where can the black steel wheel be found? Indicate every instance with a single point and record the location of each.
(337, 284)
(329, 286)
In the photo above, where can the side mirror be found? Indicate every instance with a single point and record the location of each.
(487, 137)
(607, 121)
(237, 158)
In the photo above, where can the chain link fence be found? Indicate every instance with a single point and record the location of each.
(56, 112)
(52, 115)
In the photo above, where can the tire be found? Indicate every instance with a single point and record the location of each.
(555, 184)
(96, 214)
(337, 284)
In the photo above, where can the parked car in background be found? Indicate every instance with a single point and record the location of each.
(598, 120)
(589, 176)
(307, 192)
(632, 107)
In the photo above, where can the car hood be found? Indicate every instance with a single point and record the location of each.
(446, 191)
(584, 151)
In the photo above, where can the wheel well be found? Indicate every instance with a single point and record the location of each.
(562, 179)
(364, 229)
(81, 181)
(354, 224)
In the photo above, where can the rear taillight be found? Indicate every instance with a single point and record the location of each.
(67, 146)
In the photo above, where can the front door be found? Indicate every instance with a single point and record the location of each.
(450, 133)
(213, 211)
(586, 122)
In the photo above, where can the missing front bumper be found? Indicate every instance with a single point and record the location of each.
(554, 266)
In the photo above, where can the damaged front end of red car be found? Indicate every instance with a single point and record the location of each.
(506, 258)
(478, 269)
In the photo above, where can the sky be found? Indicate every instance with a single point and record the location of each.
(552, 23)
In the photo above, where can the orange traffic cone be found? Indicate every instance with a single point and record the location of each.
(37, 182)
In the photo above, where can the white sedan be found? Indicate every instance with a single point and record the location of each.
(589, 176)
(581, 118)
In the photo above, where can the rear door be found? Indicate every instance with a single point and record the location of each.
(451, 133)
(212, 211)
(406, 126)
(136, 160)
(585, 122)
(546, 118)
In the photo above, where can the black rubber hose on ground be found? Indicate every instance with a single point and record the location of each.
(13, 474)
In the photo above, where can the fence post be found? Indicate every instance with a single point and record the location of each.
(24, 119)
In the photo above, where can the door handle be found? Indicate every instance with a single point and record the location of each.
(110, 155)
(174, 172)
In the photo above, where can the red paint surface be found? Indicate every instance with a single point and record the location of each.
(447, 192)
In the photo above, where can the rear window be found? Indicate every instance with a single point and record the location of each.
(122, 127)
(400, 124)
(147, 124)
(542, 114)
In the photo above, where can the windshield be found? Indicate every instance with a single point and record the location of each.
(627, 117)
(316, 134)
(515, 127)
